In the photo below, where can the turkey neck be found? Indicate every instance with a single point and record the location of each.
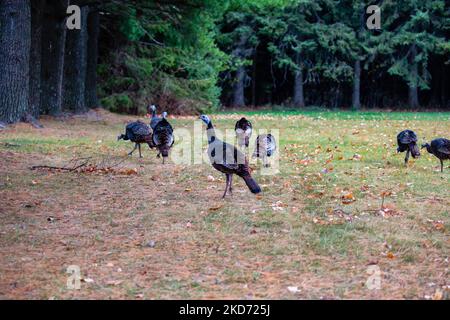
(211, 133)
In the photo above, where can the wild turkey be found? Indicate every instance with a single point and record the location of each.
(154, 118)
(407, 141)
(243, 130)
(265, 148)
(137, 132)
(163, 138)
(440, 148)
(228, 159)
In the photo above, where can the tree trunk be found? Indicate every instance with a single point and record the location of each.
(37, 20)
(15, 42)
(413, 97)
(299, 99)
(53, 46)
(75, 63)
(356, 100)
(336, 103)
(445, 103)
(254, 81)
(240, 53)
(238, 88)
(92, 58)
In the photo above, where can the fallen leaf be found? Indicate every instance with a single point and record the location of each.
(347, 198)
(390, 255)
(113, 282)
(437, 224)
(364, 188)
(305, 162)
(438, 295)
(389, 210)
(215, 208)
(278, 206)
(386, 193)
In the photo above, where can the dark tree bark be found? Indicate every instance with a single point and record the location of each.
(15, 42)
(240, 53)
(254, 81)
(238, 88)
(75, 64)
(445, 102)
(413, 96)
(37, 20)
(356, 94)
(336, 100)
(53, 45)
(356, 99)
(299, 99)
(92, 58)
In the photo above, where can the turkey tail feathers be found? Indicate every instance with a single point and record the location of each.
(251, 184)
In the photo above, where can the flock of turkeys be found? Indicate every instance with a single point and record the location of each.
(230, 160)
(439, 147)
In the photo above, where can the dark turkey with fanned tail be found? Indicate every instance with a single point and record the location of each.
(163, 138)
(407, 141)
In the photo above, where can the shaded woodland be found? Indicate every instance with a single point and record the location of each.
(198, 55)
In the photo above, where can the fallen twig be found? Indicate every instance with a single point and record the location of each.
(87, 165)
(76, 165)
(60, 168)
(7, 144)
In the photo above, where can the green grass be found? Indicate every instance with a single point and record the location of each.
(318, 113)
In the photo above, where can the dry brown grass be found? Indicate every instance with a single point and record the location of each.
(298, 233)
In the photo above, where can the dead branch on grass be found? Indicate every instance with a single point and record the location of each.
(65, 168)
(88, 165)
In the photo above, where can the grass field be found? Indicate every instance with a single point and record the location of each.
(342, 203)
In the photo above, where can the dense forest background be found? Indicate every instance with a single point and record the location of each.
(189, 56)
